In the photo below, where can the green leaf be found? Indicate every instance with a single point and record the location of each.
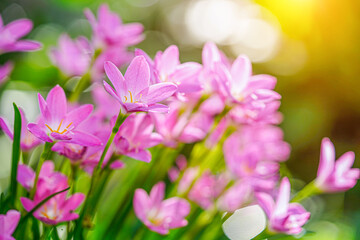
(15, 154)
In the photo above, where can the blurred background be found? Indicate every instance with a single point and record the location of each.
(311, 46)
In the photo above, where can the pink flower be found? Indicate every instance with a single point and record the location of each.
(335, 176)
(135, 136)
(166, 67)
(11, 33)
(211, 56)
(134, 91)
(102, 101)
(235, 197)
(206, 189)
(283, 216)
(26, 176)
(59, 208)
(27, 140)
(72, 57)
(157, 214)
(8, 224)
(57, 124)
(115, 54)
(92, 125)
(109, 30)
(5, 71)
(253, 153)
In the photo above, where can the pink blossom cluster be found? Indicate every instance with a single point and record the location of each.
(218, 106)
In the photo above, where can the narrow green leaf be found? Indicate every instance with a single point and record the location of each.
(55, 235)
(15, 154)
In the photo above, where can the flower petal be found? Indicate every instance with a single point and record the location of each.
(327, 161)
(245, 223)
(157, 92)
(116, 78)
(137, 76)
(38, 132)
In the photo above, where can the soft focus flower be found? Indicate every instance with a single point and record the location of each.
(72, 57)
(134, 91)
(135, 136)
(59, 208)
(235, 197)
(27, 140)
(335, 176)
(8, 224)
(283, 216)
(5, 71)
(166, 67)
(102, 102)
(211, 56)
(253, 153)
(57, 124)
(187, 179)
(245, 223)
(109, 30)
(157, 214)
(206, 189)
(26, 176)
(11, 33)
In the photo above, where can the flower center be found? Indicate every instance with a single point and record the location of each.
(58, 129)
(51, 213)
(132, 98)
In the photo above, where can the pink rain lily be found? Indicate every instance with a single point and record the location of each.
(102, 102)
(8, 224)
(26, 176)
(157, 214)
(253, 153)
(27, 140)
(206, 189)
(59, 208)
(12, 32)
(115, 54)
(335, 176)
(235, 197)
(72, 57)
(166, 67)
(135, 136)
(57, 124)
(5, 71)
(211, 56)
(134, 91)
(109, 30)
(284, 217)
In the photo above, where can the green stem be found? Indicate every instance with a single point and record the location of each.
(85, 80)
(44, 156)
(308, 191)
(94, 179)
(80, 87)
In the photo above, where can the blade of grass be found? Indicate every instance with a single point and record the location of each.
(15, 154)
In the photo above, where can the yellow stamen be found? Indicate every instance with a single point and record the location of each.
(131, 97)
(45, 214)
(125, 98)
(58, 129)
(59, 125)
(49, 128)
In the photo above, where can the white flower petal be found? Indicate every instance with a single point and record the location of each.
(245, 223)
